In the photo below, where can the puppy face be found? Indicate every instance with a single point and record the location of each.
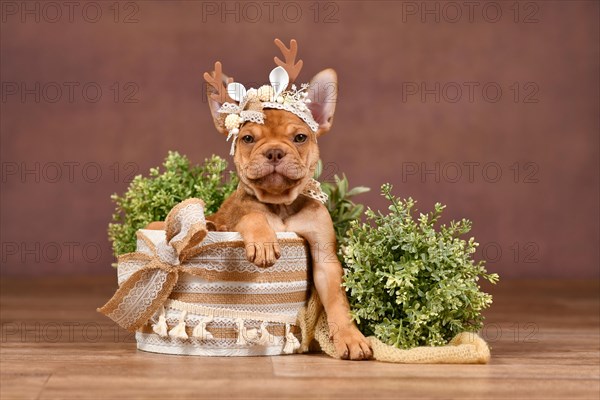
(276, 159)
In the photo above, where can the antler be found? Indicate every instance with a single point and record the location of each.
(290, 65)
(215, 79)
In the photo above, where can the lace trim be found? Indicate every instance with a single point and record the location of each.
(253, 116)
(233, 259)
(127, 268)
(139, 298)
(306, 116)
(229, 313)
(173, 318)
(189, 215)
(229, 108)
(220, 259)
(198, 286)
(278, 308)
(314, 191)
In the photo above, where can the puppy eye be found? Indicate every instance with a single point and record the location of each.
(248, 139)
(300, 138)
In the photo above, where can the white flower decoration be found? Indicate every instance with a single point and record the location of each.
(265, 93)
(233, 121)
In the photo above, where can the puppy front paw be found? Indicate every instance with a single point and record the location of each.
(263, 254)
(350, 343)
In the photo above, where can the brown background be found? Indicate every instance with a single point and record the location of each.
(545, 223)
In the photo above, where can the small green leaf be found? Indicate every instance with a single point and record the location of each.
(357, 190)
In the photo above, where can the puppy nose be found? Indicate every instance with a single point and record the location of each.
(274, 155)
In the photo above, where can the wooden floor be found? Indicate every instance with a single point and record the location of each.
(544, 336)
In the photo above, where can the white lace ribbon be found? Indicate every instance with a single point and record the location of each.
(314, 191)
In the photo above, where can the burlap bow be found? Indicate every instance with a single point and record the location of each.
(157, 267)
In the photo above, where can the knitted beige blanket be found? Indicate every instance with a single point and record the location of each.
(464, 348)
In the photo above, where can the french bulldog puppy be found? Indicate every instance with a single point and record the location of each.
(275, 161)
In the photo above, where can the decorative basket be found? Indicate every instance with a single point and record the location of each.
(230, 307)
(189, 291)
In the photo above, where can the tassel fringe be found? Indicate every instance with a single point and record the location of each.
(179, 330)
(242, 333)
(200, 331)
(160, 328)
(245, 336)
(266, 337)
(291, 342)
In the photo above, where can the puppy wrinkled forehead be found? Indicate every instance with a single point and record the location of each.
(278, 124)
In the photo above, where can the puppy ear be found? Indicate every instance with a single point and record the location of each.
(322, 93)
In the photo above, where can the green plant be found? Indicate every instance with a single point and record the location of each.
(410, 284)
(151, 198)
(339, 203)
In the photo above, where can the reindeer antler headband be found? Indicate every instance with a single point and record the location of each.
(246, 105)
